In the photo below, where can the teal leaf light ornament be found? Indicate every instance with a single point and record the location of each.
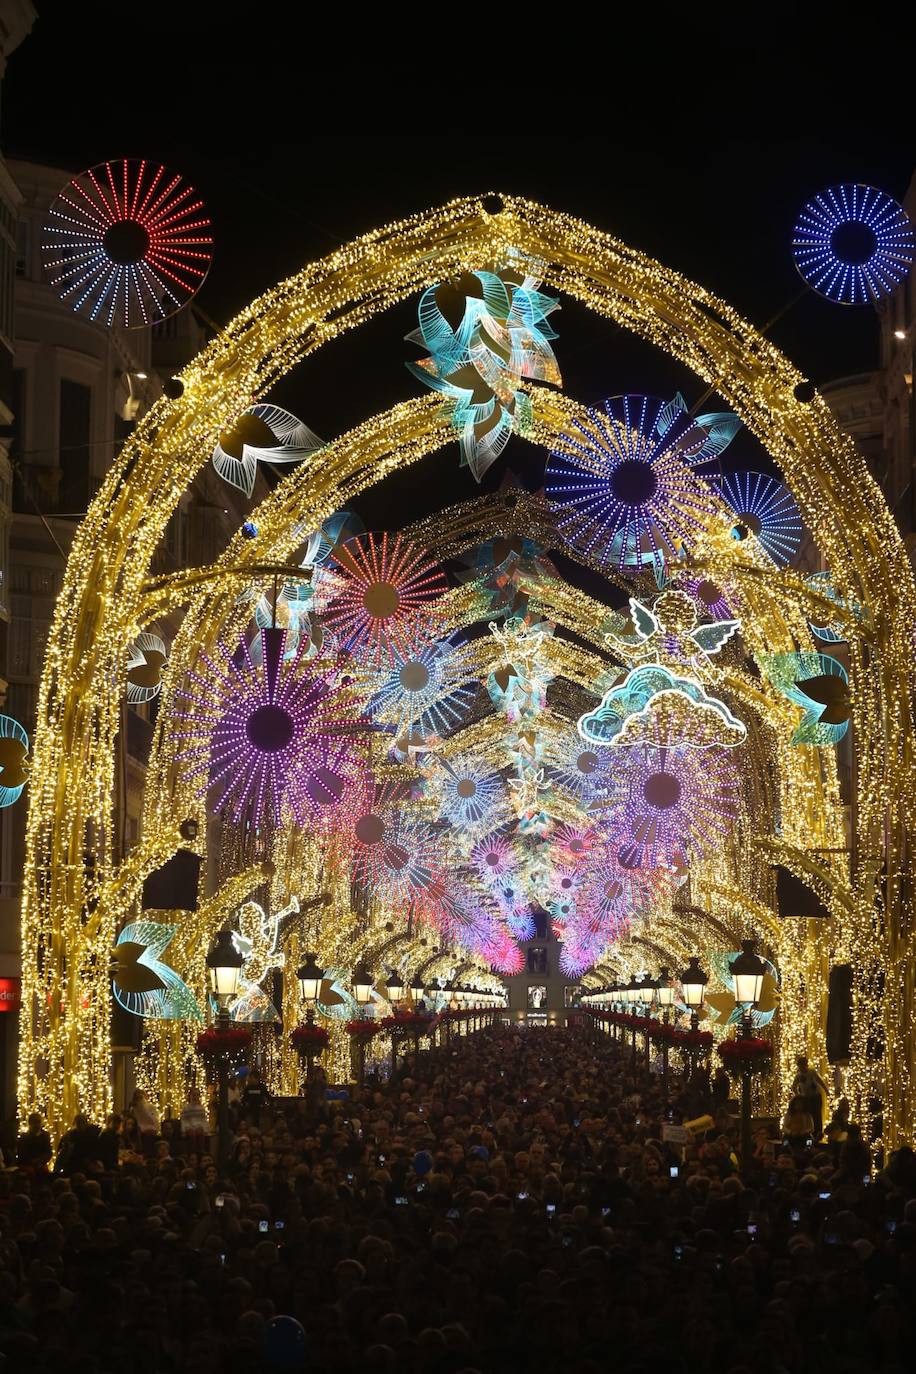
(143, 984)
(14, 749)
(836, 631)
(485, 332)
(819, 685)
(266, 434)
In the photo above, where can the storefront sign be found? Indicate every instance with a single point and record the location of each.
(10, 994)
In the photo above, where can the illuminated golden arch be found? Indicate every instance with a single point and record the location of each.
(66, 934)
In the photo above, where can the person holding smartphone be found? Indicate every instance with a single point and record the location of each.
(798, 1124)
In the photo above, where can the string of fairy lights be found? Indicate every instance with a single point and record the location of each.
(105, 604)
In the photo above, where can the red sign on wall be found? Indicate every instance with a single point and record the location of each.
(10, 994)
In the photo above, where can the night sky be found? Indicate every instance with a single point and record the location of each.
(718, 209)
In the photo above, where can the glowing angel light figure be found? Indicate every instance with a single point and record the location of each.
(257, 940)
(668, 634)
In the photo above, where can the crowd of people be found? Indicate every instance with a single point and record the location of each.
(513, 1202)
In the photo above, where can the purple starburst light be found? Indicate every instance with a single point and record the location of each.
(271, 737)
(493, 857)
(670, 805)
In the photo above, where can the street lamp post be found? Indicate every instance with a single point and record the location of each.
(362, 992)
(747, 975)
(693, 987)
(647, 993)
(309, 977)
(632, 995)
(224, 964)
(665, 995)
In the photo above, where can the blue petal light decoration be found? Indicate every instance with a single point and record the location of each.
(143, 984)
(319, 544)
(853, 244)
(623, 487)
(484, 333)
(834, 632)
(262, 433)
(14, 748)
(818, 684)
(426, 690)
(472, 794)
(765, 508)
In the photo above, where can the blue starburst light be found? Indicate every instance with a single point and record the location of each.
(853, 244)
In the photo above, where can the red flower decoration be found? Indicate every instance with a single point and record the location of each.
(363, 1028)
(309, 1038)
(413, 1022)
(745, 1054)
(232, 1041)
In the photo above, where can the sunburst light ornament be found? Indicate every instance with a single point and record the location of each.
(426, 688)
(127, 242)
(853, 244)
(384, 582)
(622, 485)
(268, 737)
(472, 794)
(667, 806)
(766, 509)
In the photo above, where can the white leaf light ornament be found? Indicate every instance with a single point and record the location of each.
(266, 434)
(147, 656)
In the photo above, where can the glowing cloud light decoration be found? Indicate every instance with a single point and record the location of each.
(272, 736)
(127, 243)
(853, 244)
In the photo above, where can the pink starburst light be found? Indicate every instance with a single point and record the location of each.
(493, 857)
(398, 858)
(383, 582)
(573, 844)
(270, 737)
